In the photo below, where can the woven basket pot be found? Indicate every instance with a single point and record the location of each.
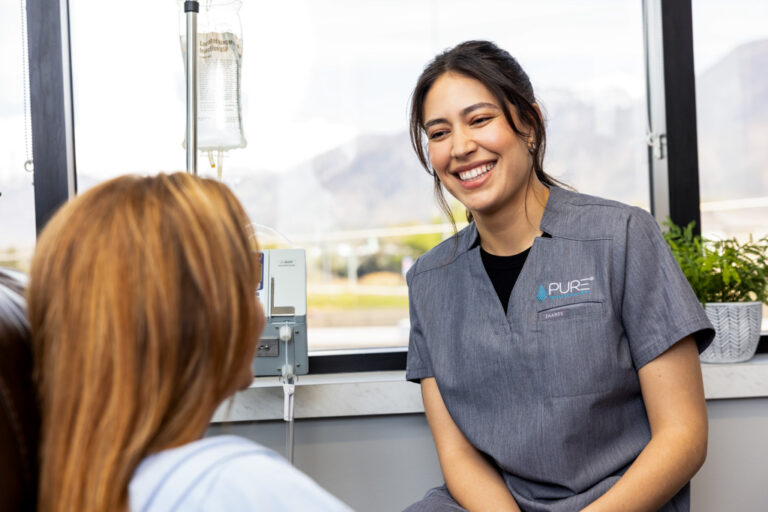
(737, 331)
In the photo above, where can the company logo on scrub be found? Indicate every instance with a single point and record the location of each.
(558, 290)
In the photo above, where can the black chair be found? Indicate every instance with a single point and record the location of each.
(19, 410)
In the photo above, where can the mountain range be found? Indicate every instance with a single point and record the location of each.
(595, 144)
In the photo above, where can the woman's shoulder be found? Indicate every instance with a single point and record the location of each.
(224, 473)
(446, 253)
(265, 483)
(574, 215)
(562, 197)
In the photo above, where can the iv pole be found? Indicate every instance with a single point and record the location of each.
(191, 8)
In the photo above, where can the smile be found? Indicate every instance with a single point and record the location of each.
(476, 172)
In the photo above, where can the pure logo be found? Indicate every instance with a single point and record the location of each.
(561, 290)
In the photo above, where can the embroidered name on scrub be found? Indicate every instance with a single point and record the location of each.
(547, 315)
(565, 289)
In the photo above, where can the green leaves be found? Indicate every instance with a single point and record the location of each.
(721, 270)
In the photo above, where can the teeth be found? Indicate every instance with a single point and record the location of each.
(477, 171)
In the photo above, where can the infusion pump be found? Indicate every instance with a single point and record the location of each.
(282, 349)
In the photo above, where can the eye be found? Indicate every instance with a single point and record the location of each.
(480, 120)
(437, 134)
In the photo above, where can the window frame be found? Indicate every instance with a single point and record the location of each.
(671, 103)
(51, 106)
(673, 155)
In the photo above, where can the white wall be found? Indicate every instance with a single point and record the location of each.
(735, 476)
(384, 463)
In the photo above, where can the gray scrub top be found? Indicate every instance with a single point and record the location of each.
(550, 390)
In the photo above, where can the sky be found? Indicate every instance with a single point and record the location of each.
(318, 73)
(308, 82)
(302, 89)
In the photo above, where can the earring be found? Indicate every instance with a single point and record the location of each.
(531, 147)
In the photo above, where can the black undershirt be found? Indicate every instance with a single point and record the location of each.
(504, 271)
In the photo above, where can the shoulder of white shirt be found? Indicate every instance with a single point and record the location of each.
(222, 473)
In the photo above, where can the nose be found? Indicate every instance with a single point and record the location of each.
(462, 143)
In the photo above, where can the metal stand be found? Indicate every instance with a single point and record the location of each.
(191, 8)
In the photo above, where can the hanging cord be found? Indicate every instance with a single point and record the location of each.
(266, 229)
(28, 163)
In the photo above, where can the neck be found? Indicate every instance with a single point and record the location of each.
(511, 230)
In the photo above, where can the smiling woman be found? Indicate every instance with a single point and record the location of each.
(544, 316)
(476, 113)
(471, 146)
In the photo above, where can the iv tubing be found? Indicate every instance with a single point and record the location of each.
(289, 385)
(289, 390)
(289, 442)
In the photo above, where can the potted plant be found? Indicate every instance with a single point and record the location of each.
(731, 281)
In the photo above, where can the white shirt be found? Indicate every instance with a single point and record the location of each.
(224, 473)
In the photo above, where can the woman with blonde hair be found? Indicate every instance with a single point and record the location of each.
(144, 319)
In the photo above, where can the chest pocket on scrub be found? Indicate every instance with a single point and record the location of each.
(574, 348)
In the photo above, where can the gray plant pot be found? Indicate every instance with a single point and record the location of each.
(737, 328)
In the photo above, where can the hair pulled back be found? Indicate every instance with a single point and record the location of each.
(506, 80)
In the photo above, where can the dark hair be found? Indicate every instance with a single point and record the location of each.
(497, 70)
(19, 412)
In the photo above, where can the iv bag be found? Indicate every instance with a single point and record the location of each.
(220, 52)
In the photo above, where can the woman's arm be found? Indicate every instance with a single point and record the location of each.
(673, 393)
(472, 481)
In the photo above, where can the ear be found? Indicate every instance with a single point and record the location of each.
(541, 118)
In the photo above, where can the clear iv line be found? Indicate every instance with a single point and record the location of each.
(218, 164)
(289, 390)
(289, 387)
(261, 227)
(28, 163)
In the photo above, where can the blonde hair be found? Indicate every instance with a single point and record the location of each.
(143, 314)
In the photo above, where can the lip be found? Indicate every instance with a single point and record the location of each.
(478, 182)
(467, 167)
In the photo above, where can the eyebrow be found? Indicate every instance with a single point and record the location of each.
(464, 112)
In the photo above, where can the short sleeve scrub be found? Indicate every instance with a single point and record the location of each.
(549, 390)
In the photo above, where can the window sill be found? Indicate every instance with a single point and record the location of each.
(736, 380)
(387, 392)
(325, 396)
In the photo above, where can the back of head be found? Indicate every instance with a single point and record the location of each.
(19, 420)
(143, 314)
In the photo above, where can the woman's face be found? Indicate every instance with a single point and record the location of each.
(477, 156)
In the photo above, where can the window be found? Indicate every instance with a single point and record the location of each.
(325, 90)
(731, 59)
(17, 205)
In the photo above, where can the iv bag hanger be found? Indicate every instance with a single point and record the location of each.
(211, 43)
(191, 9)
